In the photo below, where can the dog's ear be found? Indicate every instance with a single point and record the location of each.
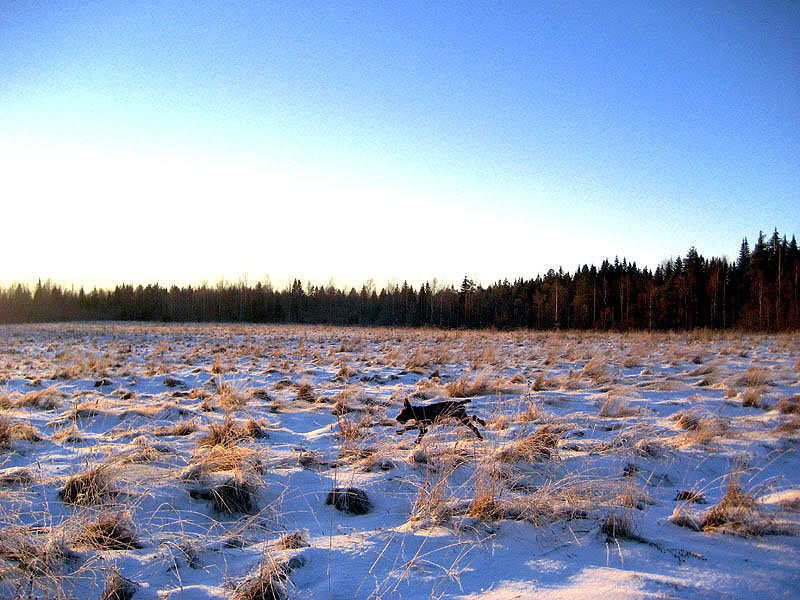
(406, 403)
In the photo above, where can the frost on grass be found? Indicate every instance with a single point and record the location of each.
(200, 458)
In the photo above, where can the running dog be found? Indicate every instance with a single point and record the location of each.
(424, 416)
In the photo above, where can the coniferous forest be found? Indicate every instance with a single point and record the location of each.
(760, 290)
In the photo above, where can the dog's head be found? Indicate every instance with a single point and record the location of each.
(407, 413)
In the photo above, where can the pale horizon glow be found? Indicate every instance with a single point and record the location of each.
(346, 142)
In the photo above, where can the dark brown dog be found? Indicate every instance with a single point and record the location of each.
(424, 416)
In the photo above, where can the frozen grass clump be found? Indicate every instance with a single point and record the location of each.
(755, 377)
(12, 430)
(293, 541)
(237, 494)
(789, 406)
(752, 398)
(616, 408)
(109, 530)
(222, 458)
(47, 399)
(483, 383)
(118, 587)
(229, 433)
(305, 392)
(90, 487)
(267, 583)
(619, 525)
(735, 511)
(16, 476)
(180, 428)
(350, 500)
(540, 445)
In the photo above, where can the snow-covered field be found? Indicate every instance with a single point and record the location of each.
(199, 462)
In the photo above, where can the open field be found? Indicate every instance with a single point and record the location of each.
(192, 462)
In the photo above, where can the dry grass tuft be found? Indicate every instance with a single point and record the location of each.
(179, 428)
(619, 524)
(109, 531)
(268, 583)
(790, 426)
(118, 587)
(617, 408)
(752, 398)
(349, 500)
(46, 399)
(305, 392)
(462, 387)
(540, 445)
(293, 541)
(11, 431)
(229, 432)
(735, 512)
(686, 420)
(755, 377)
(223, 458)
(90, 487)
(237, 494)
(789, 406)
(17, 476)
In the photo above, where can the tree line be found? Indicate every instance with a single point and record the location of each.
(758, 291)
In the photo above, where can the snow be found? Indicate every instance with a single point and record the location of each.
(651, 415)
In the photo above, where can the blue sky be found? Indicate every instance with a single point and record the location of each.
(189, 141)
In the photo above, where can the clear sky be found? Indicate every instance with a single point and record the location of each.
(186, 141)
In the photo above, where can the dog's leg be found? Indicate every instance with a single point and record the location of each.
(478, 419)
(422, 431)
(406, 428)
(469, 424)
